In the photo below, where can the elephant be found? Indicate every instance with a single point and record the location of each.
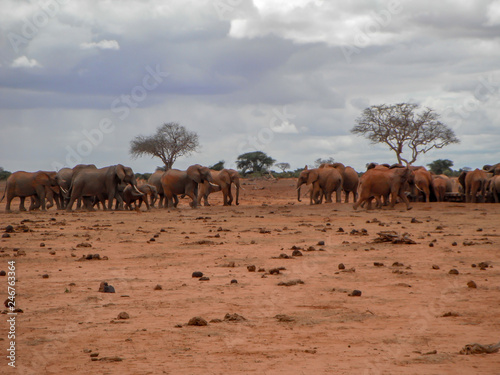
(155, 180)
(381, 182)
(422, 183)
(441, 185)
(101, 183)
(494, 187)
(373, 165)
(176, 182)
(223, 179)
(26, 184)
(131, 196)
(324, 182)
(495, 169)
(475, 182)
(350, 179)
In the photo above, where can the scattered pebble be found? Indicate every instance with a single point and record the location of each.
(321, 243)
(296, 253)
(197, 274)
(204, 278)
(378, 264)
(251, 268)
(234, 318)
(291, 282)
(197, 321)
(355, 293)
(453, 271)
(45, 276)
(123, 315)
(105, 288)
(284, 318)
(472, 284)
(2, 273)
(9, 229)
(158, 287)
(435, 267)
(234, 281)
(6, 235)
(341, 266)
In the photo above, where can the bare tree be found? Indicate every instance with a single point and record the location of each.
(319, 161)
(168, 143)
(400, 126)
(283, 166)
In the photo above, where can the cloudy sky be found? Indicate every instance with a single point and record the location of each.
(80, 79)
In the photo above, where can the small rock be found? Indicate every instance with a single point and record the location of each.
(291, 282)
(216, 320)
(355, 293)
(378, 264)
(453, 271)
(321, 243)
(84, 244)
(234, 318)
(450, 313)
(454, 244)
(296, 253)
(251, 268)
(52, 252)
(472, 284)
(431, 244)
(484, 265)
(274, 271)
(45, 276)
(93, 355)
(197, 274)
(204, 278)
(42, 244)
(105, 288)
(284, 318)
(473, 265)
(6, 235)
(3, 273)
(415, 221)
(341, 266)
(158, 287)
(152, 239)
(284, 256)
(197, 321)
(234, 281)
(397, 264)
(340, 230)
(9, 229)
(261, 270)
(123, 315)
(435, 267)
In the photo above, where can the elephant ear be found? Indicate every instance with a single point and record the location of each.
(120, 172)
(312, 176)
(194, 173)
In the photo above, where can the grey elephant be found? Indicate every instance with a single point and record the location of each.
(131, 196)
(101, 183)
(155, 180)
(176, 182)
(26, 184)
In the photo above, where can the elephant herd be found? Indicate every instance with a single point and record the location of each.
(116, 186)
(389, 183)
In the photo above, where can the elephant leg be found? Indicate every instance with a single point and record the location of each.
(230, 195)
(145, 200)
(338, 194)
(346, 199)
(21, 204)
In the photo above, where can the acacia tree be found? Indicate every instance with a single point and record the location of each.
(168, 143)
(399, 126)
(440, 166)
(256, 161)
(283, 166)
(320, 161)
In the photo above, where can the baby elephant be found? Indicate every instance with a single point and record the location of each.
(131, 196)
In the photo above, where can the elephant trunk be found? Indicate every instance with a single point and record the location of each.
(237, 193)
(298, 193)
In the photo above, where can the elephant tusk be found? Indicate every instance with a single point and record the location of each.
(63, 190)
(137, 190)
(214, 185)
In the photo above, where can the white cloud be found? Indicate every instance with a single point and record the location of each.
(24, 62)
(493, 14)
(103, 44)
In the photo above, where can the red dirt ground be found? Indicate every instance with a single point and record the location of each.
(395, 327)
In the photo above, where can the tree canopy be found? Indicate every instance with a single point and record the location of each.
(219, 166)
(400, 125)
(170, 141)
(4, 174)
(441, 166)
(283, 166)
(320, 161)
(256, 161)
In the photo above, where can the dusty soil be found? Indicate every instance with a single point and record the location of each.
(409, 319)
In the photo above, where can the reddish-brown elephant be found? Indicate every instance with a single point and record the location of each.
(376, 183)
(324, 182)
(350, 179)
(475, 183)
(223, 179)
